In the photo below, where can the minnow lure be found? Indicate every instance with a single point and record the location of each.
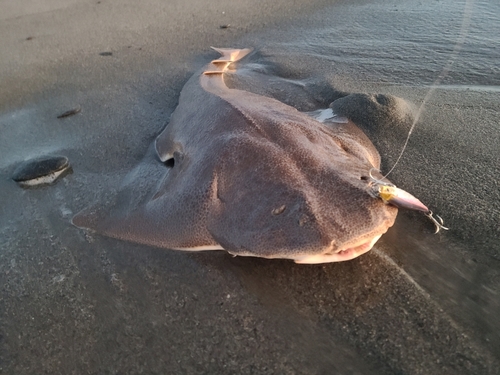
(400, 198)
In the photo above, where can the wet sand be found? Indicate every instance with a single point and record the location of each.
(74, 302)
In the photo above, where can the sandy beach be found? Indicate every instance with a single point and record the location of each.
(74, 302)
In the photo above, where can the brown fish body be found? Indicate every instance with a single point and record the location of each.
(254, 176)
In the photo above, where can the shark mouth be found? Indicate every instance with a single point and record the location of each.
(341, 255)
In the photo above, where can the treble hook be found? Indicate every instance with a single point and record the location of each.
(438, 224)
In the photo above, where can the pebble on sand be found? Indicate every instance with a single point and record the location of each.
(71, 112)
(41, 171)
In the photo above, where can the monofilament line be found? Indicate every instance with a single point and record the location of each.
(464, 29)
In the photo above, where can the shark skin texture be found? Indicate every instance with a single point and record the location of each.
(246, 173)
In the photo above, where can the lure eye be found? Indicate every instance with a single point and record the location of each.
(386, 193)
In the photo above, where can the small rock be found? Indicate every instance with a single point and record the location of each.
(71, 112)
(107, 53)
(41, 171)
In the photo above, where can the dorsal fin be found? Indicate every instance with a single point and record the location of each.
(228, 56)
(231, 54)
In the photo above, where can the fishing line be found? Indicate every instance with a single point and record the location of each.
(464, 30)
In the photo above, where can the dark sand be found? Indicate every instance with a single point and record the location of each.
(76, 303)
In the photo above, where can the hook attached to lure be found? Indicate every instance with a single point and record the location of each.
(391, 194)
(437, 222)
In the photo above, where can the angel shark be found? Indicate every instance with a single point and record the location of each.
(251, 175)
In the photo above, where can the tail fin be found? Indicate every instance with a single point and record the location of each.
(228, 56)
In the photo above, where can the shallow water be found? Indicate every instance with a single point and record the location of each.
(420, 303)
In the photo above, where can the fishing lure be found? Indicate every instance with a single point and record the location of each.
(400, 198)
